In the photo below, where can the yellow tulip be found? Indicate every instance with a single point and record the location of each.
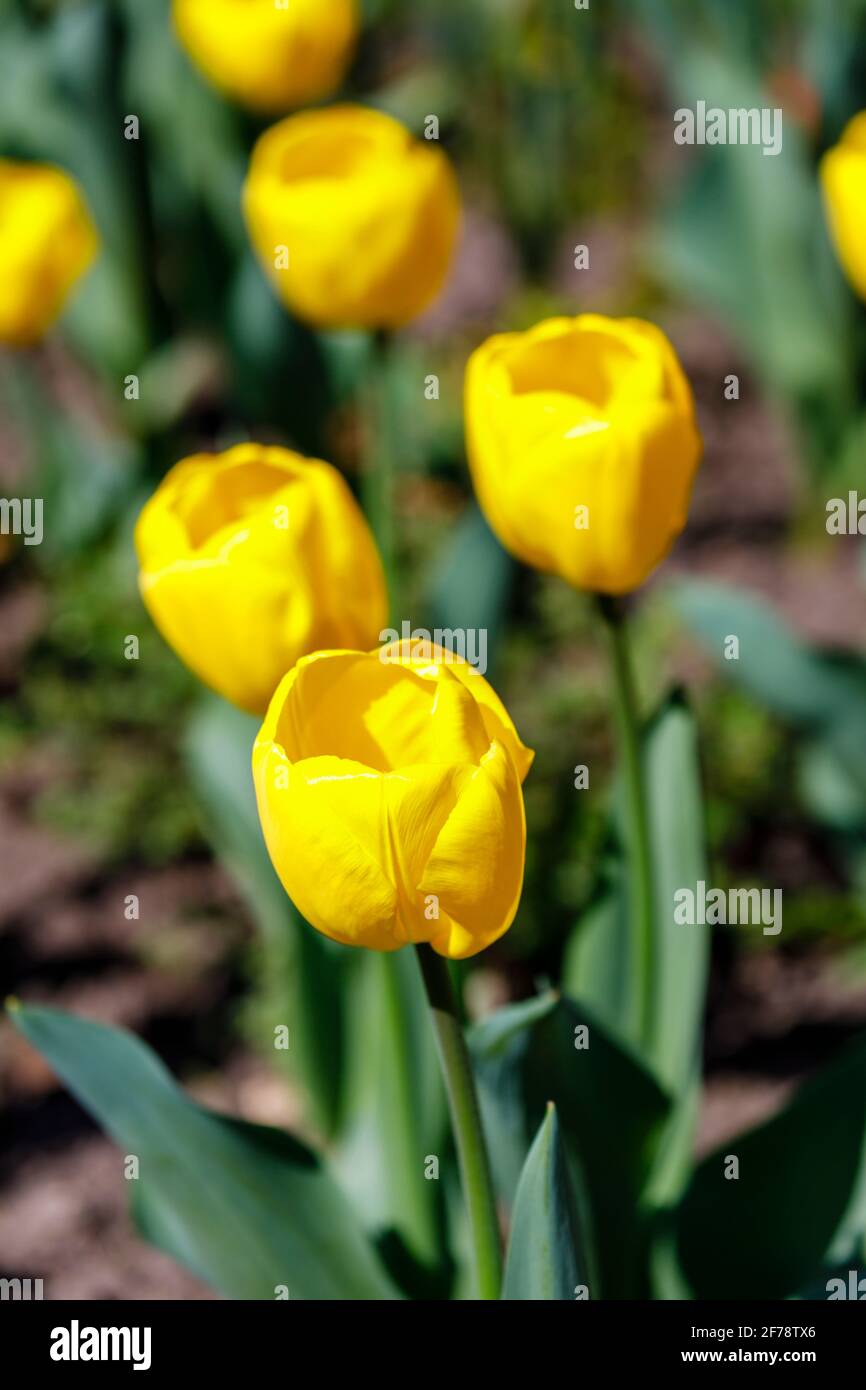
(843, 176)
(388, 786)
(250, 559)
(270, 56)
(353, 219)
(47, 241)
(583, 447)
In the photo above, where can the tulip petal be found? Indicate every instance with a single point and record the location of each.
(366, 707)
(354, 221)
(476, 867)
(269, 57)
(426, 657)
(47, 242)
(843, 180)
(378, 855)
(583, 446)
(350, 843)
(251, 558)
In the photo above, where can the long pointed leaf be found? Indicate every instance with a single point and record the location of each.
(544, 1252)
(248, 1208)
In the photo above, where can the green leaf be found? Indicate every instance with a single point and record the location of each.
(823, 694)
(304, 974)
(612, 1113)
(595, 968)
(246, 1207)
(592, 967)
(681, 954)
(829, 792)
(544, 1249)
(396, 1113)
(800, 1197)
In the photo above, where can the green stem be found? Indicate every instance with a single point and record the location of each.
(639, 849)
(379, 460)
(466, 1122)
(399, 1092)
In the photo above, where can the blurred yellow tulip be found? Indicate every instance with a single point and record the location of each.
(583, 447)
(388, 785)
(267, 55)
(252, 558)
(843, 177)
(353, 219)
(47, 242)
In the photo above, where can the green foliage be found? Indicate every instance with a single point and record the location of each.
(528, 1054)
(759, 1234)
(597, 967)
(544, 1249)
(823, 694)
(247, 1208)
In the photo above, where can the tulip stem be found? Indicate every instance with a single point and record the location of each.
(466, 1122)
(379, 457)
(641, 883)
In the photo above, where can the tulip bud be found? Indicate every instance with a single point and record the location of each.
(250, 559)
(354, 220)
(843, 176)
(583, 447)
(47, 241)
(267, 55)
(388, 786)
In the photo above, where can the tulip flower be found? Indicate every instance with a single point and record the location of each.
(843, 176)
(250, 559)
(583, 447)
(353, 219)
(267, 55)
(47, 242)
(388, 787)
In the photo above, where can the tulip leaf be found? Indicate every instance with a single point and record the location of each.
(680, 954)
(304, 974)
(595, 965)
(544, 1259)
(592, 969)
(396, 1115)
(824, 694)
(761, 1233)
(611, 1110)
(248, 1208)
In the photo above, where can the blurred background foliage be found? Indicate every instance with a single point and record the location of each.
(560, 124)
